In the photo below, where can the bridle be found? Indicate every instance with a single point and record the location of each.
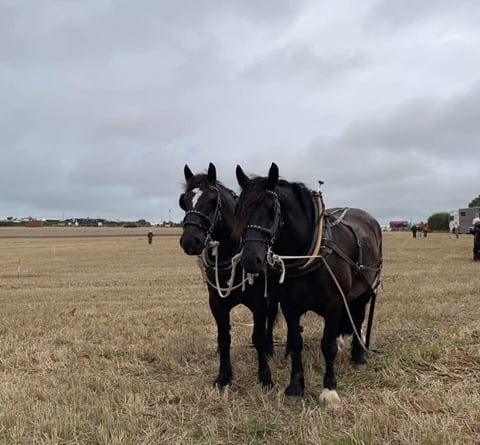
(271, 233)
(206, 223)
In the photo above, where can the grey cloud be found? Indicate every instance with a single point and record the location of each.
(410, 12)
(302, 64)
(104, 102)
(432, 126)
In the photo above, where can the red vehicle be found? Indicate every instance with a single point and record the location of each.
(398, 225)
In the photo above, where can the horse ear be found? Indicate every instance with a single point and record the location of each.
(242, 178)
(272, 177)
(212, 174)
(188, 173)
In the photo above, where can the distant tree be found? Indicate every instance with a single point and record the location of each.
(143, 223)
(475, 202)
(439, 221)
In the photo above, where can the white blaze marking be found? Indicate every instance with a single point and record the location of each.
(196, 196)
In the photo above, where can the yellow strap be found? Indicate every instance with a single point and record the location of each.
(316, 253)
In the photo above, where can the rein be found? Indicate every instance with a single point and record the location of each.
(365, 345)
(222, 292)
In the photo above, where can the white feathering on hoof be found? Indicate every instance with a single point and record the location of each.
(329, 398)
(340, 343)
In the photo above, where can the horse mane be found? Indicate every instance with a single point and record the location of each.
(302, 193)
(255, 193)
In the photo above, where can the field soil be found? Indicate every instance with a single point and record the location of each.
(67, 232)
(105, 339)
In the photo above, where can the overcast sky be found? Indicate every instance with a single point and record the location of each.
(104, 102)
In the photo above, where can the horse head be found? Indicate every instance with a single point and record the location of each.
(258, 217)
(202, 205)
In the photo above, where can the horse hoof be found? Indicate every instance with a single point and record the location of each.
(294, 391)
(268, 386)
(329, 398)
(359, 366)
(221, 383)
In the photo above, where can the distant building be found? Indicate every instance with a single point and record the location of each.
(397, 226)
(88, 222)
(34, 223)
(462, 218)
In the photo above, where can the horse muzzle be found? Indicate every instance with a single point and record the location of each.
(192, 244)
(253, 262)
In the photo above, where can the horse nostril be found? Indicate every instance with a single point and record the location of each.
(253, 264)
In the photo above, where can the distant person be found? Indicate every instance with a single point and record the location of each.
(475, 231)
(150, 237)
(414, 230)
(425, 230)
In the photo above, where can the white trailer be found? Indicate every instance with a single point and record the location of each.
(462, 218)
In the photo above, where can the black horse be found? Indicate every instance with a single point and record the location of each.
(330, 261)
(207, 227)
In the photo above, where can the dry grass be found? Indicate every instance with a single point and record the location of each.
(110, 341)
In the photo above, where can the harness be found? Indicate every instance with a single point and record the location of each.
(321, 244)
(320, 247)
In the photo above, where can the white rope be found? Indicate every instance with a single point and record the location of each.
(222, 292)
(265, 273)
(345, 302)
(298, 257)
(274, 259)
(214, 246)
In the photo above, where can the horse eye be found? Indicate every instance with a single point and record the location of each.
(181, 202)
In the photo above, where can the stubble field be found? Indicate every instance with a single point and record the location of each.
(109, 340)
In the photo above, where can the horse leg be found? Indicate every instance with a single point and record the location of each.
(357, 310)
(329, 396)
(296, 387)
(259, 339)
(221, 314)
(272, 313)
